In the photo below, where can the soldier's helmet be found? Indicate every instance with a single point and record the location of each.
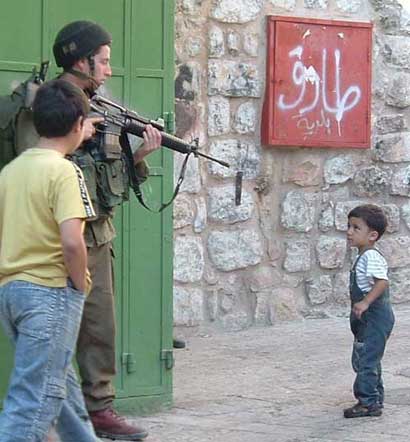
(78, 39)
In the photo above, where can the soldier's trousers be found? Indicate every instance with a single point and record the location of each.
(96, 340)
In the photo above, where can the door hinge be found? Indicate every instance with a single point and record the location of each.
(169, 119)
(129, 362)
(168, 357)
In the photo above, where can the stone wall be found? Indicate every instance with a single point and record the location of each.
(282, 253)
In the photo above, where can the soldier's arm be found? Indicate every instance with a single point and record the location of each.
(152, 142)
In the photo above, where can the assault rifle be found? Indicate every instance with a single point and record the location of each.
(120, 121)
(131, 122)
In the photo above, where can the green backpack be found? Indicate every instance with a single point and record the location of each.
(12, 106)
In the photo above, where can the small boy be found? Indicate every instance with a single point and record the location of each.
(43, 272)
(371, 317)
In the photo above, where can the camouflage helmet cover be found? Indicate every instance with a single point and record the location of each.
(77, 40)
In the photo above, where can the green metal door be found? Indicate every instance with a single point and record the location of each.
(142, 61)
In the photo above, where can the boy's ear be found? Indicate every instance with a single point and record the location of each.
(78, 125)
(373, 235)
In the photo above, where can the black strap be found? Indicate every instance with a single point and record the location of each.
(126, 147)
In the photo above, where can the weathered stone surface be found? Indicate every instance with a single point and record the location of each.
(405, 214)
(339, 169)
(233, 43)
(289, 5)
(331, 252)
(292, 280)
(297, 258)
(245, 118)
(186, 117)
(236, 11)
(298, 211)
(387, 124)
(398, 94)
(284, 305)
(216, 47)
(263, 308)
(400, 182)
(342, 210)
(192, 181)
(190, 7)
(187, 83)
(218, 116)
(371, 181)
(188, 259)
(350, 6)
(399, 280)
(390, 15)
(397, 51)
(211, 304)
(231, 250)
(396, 250)
(301, 170)
(193, 46)
(393, 217)
(201, 215)
(319, 290)
(316, 4)
(393, 148)
(183, 211)
(263, 278)
(251, 44)
(241, 155)
(236, 321)
(188, 306)
(326, 216)
(233, 79)
(341, 289)
(222, 208)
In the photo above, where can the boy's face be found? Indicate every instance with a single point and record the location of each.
(359, 233)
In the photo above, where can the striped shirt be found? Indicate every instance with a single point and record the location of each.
(370, 265)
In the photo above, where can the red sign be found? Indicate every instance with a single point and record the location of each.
(318, 85)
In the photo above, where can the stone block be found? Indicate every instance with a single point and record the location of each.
(218, 116)
(339, 169)
(241, 155)
(298, 211)
(222, 207)
(297, 256)
(237, 249)
(188, 259)
(319, 290)
(188, 306)
(372, 181)
(245, 118)
(234, 79)
(331, 252)
(301, 170)
(236, 11)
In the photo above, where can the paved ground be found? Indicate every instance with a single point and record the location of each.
(287, 383)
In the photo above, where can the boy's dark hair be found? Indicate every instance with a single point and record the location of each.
(57, 107)
(372, 215)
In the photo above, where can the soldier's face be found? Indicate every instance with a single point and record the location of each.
(102, 68)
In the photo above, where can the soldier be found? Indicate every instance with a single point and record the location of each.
(82, 49)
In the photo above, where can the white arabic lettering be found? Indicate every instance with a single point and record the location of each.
(303, 75)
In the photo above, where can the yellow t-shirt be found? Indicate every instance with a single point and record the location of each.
(31, 210)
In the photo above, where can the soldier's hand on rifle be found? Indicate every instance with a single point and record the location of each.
(89, 126)
(152, 142)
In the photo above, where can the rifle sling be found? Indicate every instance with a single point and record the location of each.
(126, 147)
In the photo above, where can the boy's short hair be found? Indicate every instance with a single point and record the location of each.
(57, 107)
(372, 215)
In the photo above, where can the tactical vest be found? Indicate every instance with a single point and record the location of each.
(105, 172)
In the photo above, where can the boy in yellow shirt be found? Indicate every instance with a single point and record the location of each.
(43, 271)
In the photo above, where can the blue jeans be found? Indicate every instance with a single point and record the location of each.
(43, 324)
